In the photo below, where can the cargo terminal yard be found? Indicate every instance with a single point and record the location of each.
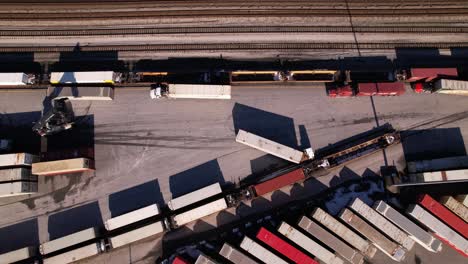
(233, 132)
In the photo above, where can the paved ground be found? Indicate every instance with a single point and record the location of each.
(149, 151)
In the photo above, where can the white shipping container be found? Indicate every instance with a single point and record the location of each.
(439, 176)
(13, 78)
(260, 252)
(75, 254)
(66, 241)
(341, 248)
(81, 93)
(199, 212)
(203, 259)
(17, 188)
(83, 77)
(450, 163)
(440, 229)
(199, 91)
(462, 199)
(136, 234)
(447, 84)
(17, 159)
(234, 255)
(344, 232)
(455, 206)
(272, 147)
(17, 174)
(308, 244)
(416, 233)
(194, 196)
(17, 255)
(381, 223)
(132, 217)
(62, 166)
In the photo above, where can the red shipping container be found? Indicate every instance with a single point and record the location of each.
(283, 247)
(393, 88)
(279, 182)
(345, 91)
(367, 89)
(423, 73)
(179, 260)
(418, 87)
(333, 92)
(444, 214)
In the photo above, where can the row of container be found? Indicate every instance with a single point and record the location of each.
(15, 174)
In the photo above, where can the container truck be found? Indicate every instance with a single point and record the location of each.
(17, 188)
(17, 159)
(136, 234)
(81, 92)
(444, 214)
(67, 166)
(309, 245)
(278, 182)
(443, 164)
(388, 247)
(194, 196)
(462, 199)
(341, 248)
(256, 76)
(69, 240)
(381, 223)
(441, 230)
(17, 174)
(17, 255)
(199, 212)
(194, 91)
(234, 255)
(132, 217)
(14, 78)
(344, 232)
(274, 148)
(75, 254)
(455, 206)
(84, 77)
(203, 259)
(260, 252)
(415, 232)
(283, 247)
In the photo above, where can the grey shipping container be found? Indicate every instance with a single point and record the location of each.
(455, 206)
(17, 188)
(81, 93)
(234, 255)
(450, 163)
(17, 174)
(136, 234)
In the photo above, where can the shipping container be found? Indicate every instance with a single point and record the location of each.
(260, 252)
(136, 234)
(234, 255)
(309, 245)
(437, 177)
(283, 247)
(132, 217)
(62, 166)
(84, 77)
(416, 233)
(199, 91)
(381, 223)
(69, 240)
(344, 232)
(203, 259)
(443, 164)
(17, 188)
(418, 74)
(367, 89)
(456, 207)
(199, 212)
(17, 174)
(75, 254)
(14, 78)
(444, 214)
(17, 159)
(279, 182)
(81, 92)
(17, 255)
(341, 248)
(179, 260)
(194, 196)
(274, 148)
(391, 88)
(81, 152)
(441, 230)
(462, 199)
(447, 84)
(388, 247)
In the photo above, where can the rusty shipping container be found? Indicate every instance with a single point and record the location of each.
(279, 182)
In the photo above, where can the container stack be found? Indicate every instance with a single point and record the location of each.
(15, 174)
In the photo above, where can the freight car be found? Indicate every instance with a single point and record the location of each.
(15, 78)
(85, 77)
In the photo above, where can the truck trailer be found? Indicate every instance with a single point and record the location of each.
(199, 212)
(443, 164)
(234, 255)
(260, 252)
(136, 234)
(69, 240)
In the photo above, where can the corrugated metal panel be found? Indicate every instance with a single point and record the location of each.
(17, 188)
(344, 232)
(441, 230)
(17, 174)
(81, 93)
(16, 255)
(446, 84)
(136, 234)
(456, 207)
(260, 252)
(200, 212)
(66, 241)
(444, 214)
(132, 217)
(234, 255)
(17, 159)
(82, 77)
(381, 223)
(279, 182)
(203, 259)
(62, 166)
(74, 255)
(380, 241)
(347, 252)
(13, 78)
(451, 163)
(194, 196)
(415, 232)
(199, 91)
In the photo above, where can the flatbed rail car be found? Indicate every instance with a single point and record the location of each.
(256, 76)
(136, 235)
(197, 213)
(313, 75)
(455, 206)
(235, 256)
(85, 77)
(260, 252)
(49, 168)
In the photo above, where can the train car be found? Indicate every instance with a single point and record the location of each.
(256, 76)
(67, 166)
(16, 174)
(234, 255)
(390, 88)
(388, 247)
(441, 230)
(197, 213)
(136, 235)
(443, 164)
(344, 232)
(366, 89)
(194, 196)
(14, 78)
(132, 217)
(416, 233)
(455, 206)
(17, 159)
(80, 77)
(278, 182)
(307, 244)
(380, 222)
(341, 248)
(204, 259)
(444, 214)
(313, 75)
(75, 254)
(69, 240)
(90, 93)
(17, 188)
(420, 74)
(260, 252)
(17, 255)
